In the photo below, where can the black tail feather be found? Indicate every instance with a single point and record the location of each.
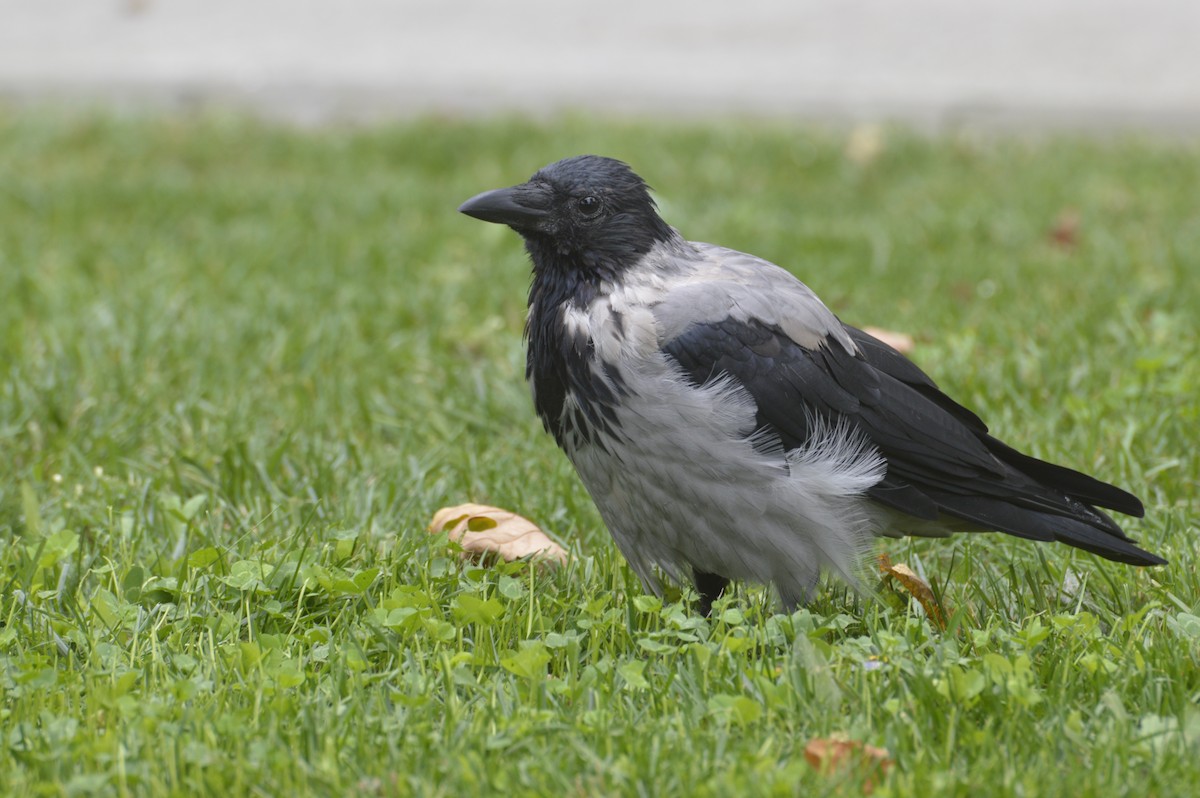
(1087, 528)
(1076, 485)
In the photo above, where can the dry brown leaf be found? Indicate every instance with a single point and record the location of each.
(482, 531)
(1065, 232)
(916, 587)
(901, 342)
(839, 753)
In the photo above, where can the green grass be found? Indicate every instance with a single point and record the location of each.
(241, 366)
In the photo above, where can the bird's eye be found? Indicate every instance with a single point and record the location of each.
(588, 205)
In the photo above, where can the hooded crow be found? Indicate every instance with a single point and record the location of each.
(729, 426)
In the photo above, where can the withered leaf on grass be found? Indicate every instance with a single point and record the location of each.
(1065, 232)
(901, 342)
(838, 754)
(916, 587)
(865, 144)
(482, 531)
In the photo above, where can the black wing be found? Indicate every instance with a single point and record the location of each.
(941, 461)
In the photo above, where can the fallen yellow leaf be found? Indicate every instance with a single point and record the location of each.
(916, 587)
(864, 144)
(839, 753)
(482, 531)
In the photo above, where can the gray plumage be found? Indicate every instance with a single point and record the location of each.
(729, 426)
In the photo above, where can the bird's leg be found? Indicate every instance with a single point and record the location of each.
(710, 587)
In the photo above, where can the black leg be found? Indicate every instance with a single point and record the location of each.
(710, 587)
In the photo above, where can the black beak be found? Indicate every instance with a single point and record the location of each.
(521, 207)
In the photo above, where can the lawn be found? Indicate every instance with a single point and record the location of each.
(242, 365)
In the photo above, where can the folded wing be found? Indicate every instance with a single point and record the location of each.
(942, 462)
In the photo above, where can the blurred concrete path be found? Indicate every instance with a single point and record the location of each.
(1093, 64)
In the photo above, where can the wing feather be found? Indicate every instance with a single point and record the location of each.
(941, 459)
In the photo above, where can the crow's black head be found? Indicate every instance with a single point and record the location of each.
(584, 213)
